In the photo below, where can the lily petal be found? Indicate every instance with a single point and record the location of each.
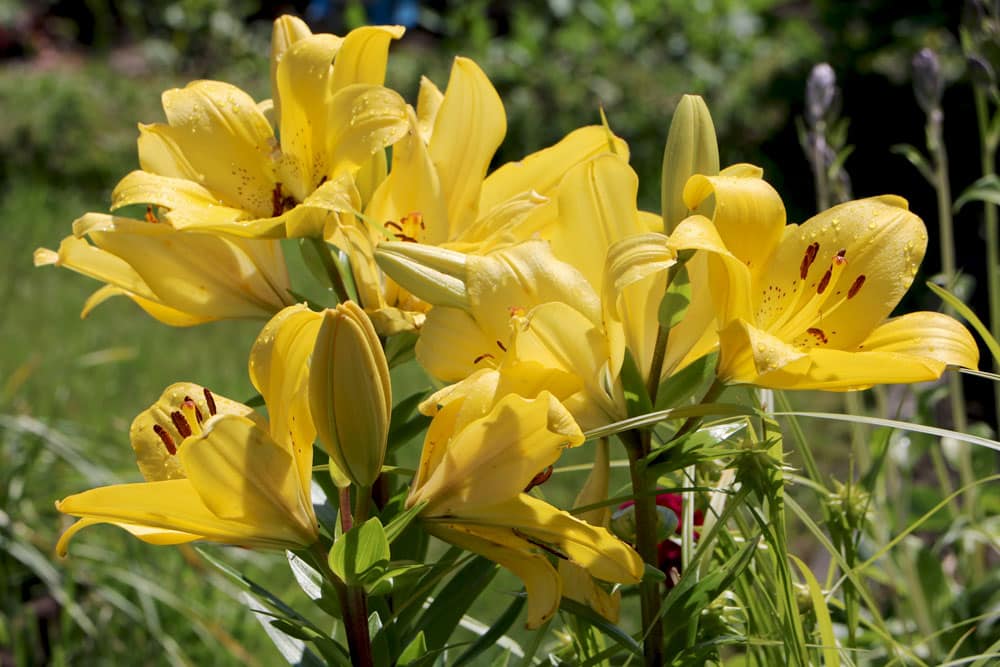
(363, 55)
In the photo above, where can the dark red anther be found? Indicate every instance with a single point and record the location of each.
(180, 423)
(405, 238)
(168, 442)
(819, 334)
(150, 216)
(824, 282)
(808, 259)
(485, 355)
(501, 346)
(856, 286)
(197, 413)
(539, 479)
(276, 200)
(840, 259)
(394, 225)
(210, 400)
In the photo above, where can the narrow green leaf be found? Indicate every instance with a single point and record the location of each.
(399, 522)
(831, 655)
(916, 158)
(400, 348)
(986, 189)
(313, 585)
(416, 649)
(701, 410)
(675, 301)
(489, 638)
(611, 630)
(441, 617)
(358, 551)
(636, 399)
(682, 386)
(970, 317)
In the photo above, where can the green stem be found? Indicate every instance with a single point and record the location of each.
(660, 346)
(988, 156)
(693, 423)
(935, 143)
(332, 270)
(818, 160)
(355, 619)
(346, 519)
(645, 543)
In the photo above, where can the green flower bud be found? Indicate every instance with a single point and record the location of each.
(433, 274)
(350, 397)
(691, 148)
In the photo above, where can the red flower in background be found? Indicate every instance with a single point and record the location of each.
(669, 550)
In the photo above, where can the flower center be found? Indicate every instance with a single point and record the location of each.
(409, 228)
(186, 421)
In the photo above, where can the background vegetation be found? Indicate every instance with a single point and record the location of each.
(76, 77)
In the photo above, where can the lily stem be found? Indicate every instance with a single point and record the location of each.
(645, 544)
(331, 268)
(935, 144)
(988, 156)
(356, 625)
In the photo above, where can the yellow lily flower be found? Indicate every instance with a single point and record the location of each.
(472, 476)
(437, 191)
(805, 306)
(217, 163)
(179, 278)
(213, 473)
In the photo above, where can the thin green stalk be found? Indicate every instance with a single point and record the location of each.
(818, 160)
(645, 543)
(331, 268)
(988, 154)
(942, 186)
(660, 346)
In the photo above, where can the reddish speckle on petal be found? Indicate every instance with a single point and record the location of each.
(856, 286)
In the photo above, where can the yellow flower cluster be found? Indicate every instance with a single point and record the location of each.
(531, 287)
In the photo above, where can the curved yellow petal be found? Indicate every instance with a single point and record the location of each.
(242, 474)
(363, 119)
(78, 255)
(749, 355)
(452, 345)
(749, 213)
(925, 334)
(842, 272)
(363, 55)
(428, 104)
(493, 458)
(216, 136)
(279, 370)
(154, 430)
(542, 171)
(541, 581)
(468, 128)
(597, 199)
(198, 206)
(159, 536)
(285, 31)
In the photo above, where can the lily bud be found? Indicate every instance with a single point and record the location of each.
(821, 90)
(433, 274)
(691, 148)
(927, 82)
(350, 398)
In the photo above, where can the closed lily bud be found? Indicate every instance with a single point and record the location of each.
(350, 398)
(927, 82)
(436, 275)
(692, 148)
(821, 90)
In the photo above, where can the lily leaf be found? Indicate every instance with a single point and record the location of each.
(916, 158)
(970, 317)
(358, 551)
(675, 301)
(986, 189)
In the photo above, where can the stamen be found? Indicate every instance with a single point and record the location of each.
(856, 286)
(824, 282)
(191, 416)
(485, 355)
(394, 225)
(180, 423)
(150, 216)
(210, 400)
(276, 200)
(168, 442)
(539, 479)
(808, 259)
(197, 412)
(501, 346)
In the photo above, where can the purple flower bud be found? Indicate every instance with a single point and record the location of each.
(821, 89)
(927, 82)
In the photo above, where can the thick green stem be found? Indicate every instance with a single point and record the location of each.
(354, 617)
(331, 268)
(660, 346)
(988, 155)
(645, 543)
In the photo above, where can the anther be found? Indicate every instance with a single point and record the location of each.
(150, 216)
(856, 286)
(276, 200)
(819, 334)
(394, 225)
(192, 416)
(840, 259)
(210, 400)
(808, 259)
(168, 442)
(188, 401)
(180, 423)
(501, 346)
(824, 281)
(485, 355)
(539, 479)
